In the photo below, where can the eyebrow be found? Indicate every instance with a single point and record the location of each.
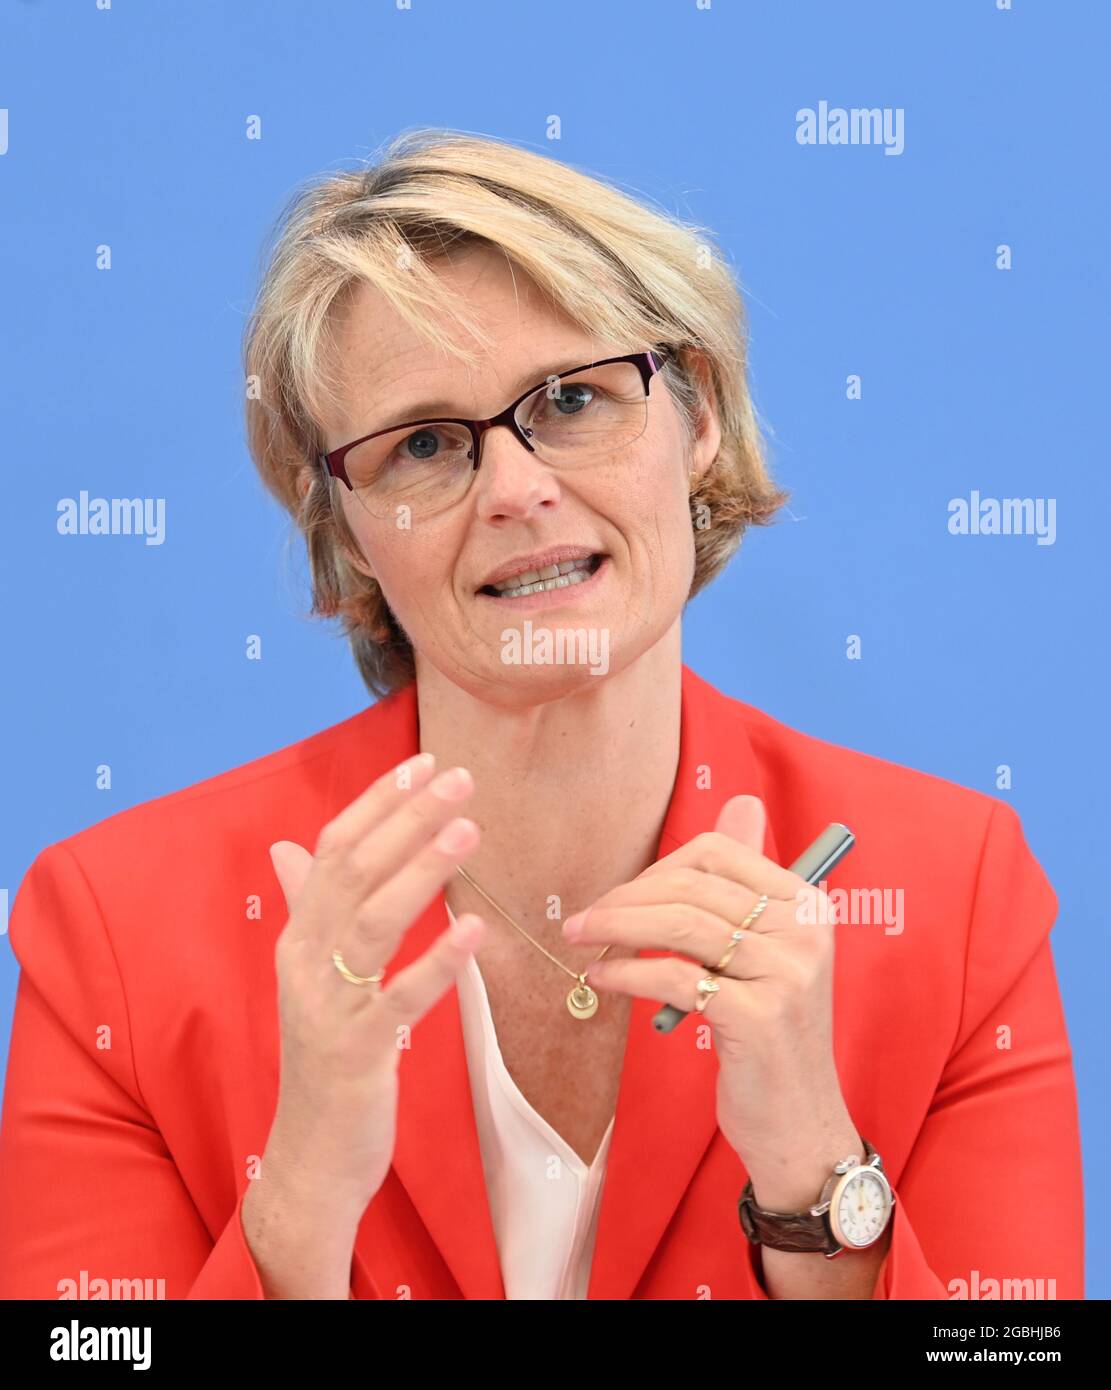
(444, 409)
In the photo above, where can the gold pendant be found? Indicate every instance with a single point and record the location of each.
(582, 1002)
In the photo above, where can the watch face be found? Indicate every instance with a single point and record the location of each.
(859, 1213)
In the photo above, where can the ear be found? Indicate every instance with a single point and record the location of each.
(707, 440)
(357, 561)
(348, 544)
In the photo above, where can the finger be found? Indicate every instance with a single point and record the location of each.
(347, 870)
(685, 929)
(364, 860)
(669, 981)
(292, 864)
(716, 853)
(413, 991)
(381, 798)
(724, 898)
(744, 819)
(416, 821)
(373, 932)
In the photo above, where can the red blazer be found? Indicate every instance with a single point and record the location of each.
(143, 1071)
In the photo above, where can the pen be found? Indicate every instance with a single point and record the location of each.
(813, 864)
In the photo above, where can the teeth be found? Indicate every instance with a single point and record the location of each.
(550, 577)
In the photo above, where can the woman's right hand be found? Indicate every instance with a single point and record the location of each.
(376, 867)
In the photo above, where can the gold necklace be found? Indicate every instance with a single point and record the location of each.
(582, 1002)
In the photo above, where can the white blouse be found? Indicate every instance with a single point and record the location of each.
(544, 1200)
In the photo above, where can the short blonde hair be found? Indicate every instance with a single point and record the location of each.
(621, 270)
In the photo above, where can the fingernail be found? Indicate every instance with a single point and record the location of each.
(455, 835)
(413, 770)
(574, 925)
(465, 930)
(452, 785)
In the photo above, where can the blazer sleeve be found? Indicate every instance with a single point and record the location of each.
(86, 1179)
(992, 1188)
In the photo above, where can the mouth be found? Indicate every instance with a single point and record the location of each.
(565, 575)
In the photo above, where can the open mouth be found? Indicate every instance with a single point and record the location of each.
(561, 576)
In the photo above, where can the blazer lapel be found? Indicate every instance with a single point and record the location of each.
(436, 1155)
(666, 1107)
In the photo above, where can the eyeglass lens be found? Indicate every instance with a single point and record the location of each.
(569, 422)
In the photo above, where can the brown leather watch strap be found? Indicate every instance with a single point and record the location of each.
(797, 1232)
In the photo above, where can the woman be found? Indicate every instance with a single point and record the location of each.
(507, 408)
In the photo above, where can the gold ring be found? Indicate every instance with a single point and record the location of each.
(738, 935)
(337, 961)
(734, 941)
(707, 988)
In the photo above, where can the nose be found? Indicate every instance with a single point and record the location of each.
(511, 481)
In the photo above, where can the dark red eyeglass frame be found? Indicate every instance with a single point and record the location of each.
(649, 363)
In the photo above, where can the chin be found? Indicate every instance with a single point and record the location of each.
(518, 687)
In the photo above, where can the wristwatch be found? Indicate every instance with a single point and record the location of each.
(851, 1214)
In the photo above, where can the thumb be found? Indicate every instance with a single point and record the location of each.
(745, 819)
(291, 864)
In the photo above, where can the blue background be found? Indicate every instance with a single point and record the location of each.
(127, 127)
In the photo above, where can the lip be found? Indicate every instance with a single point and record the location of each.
(555, 555)
(565, 597)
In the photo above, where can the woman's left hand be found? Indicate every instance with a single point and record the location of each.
(779, 1101)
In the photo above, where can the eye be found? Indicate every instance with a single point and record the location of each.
(573, 397)
(420, 445)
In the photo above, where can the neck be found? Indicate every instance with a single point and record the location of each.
(571, 794)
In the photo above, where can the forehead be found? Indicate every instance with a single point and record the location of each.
(383, 365)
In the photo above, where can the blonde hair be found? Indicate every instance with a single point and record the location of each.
(621, 270)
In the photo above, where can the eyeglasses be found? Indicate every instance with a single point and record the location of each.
(570, 419)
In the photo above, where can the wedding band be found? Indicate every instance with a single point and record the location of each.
(707, 988)
(337, 961)
(738, 935)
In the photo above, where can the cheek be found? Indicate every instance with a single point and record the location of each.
(655, 500)
(414, 579)
(417, 572)
(394, 555)
(661, 473)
